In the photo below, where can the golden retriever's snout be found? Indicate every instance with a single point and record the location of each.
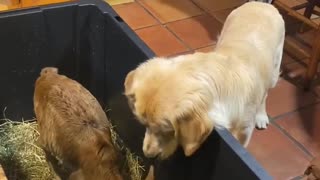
(150, 152)
(150, 147)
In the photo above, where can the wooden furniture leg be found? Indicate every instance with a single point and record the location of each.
(309, 9)
(308, 13)
(313, 62)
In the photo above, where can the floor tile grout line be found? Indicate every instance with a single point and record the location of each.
(204, 14)
(177, 37)
(189, 48)
(231, 7)
(198, 6)
(198, 15)
(212, 45)
(295, 142)
(208, 11)
(149, 26)
(191, 16)
(294, 111)
(149, 12)
(181, 53)
(207, 46)
(164, 23)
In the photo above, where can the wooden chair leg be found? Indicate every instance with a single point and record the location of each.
(308, 13)
(313, 62)
(309, 9)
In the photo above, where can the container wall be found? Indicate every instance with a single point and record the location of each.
(30, 43)
(90, 43)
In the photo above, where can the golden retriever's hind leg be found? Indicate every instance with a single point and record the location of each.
(245, 135)
(277, 63)
(262, 119)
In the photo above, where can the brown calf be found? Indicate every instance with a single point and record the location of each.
(73, 128)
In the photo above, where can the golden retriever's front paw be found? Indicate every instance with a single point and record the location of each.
(262, 121)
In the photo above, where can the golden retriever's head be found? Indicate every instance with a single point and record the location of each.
(172, 103)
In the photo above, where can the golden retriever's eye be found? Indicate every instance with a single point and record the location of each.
(166, 126)
(166, 136)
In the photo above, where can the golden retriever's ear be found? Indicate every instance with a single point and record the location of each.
(193, 131)
(128, 89)
(129, 81)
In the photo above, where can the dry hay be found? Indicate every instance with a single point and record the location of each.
(22, 158)
(132, 162)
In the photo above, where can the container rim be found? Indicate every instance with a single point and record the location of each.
(243, 154)
(106, 9)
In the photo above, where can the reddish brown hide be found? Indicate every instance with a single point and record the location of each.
(73, 128)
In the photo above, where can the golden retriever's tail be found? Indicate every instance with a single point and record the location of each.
(49, 70)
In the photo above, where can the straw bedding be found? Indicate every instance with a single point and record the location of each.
(22, 158)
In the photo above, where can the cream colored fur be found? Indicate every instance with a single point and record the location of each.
(181, 100)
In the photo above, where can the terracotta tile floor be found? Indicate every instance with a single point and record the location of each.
(197, 32)
(290, 142)
(161, 40)
(174, 27)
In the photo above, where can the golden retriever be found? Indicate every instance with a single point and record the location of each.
(181, 99)
(73, 128)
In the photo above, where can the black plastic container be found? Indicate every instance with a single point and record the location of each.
(90, 43)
